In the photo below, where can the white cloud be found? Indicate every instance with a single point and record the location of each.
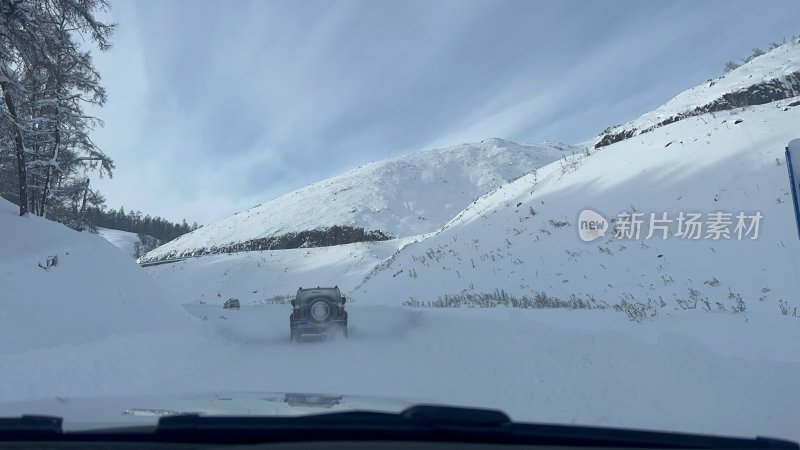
(218, 106)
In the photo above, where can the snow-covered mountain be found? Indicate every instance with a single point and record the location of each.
(765, 79)
(399, 197)
(730, 163)
(521, 237)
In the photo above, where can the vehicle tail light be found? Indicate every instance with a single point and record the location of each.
(296, 312)
(341, 310)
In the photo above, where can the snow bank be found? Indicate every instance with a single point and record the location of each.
(123, 240)
(60, 287)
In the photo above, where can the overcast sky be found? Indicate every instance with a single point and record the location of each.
(215, 106)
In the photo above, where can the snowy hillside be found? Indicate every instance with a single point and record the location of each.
(499, 243)
(63, 287)
(400, 197)
(130, 243)
(522, 237)
(271, 276)
(729, 163)
(769, 77)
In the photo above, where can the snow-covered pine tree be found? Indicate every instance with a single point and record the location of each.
(46, 79)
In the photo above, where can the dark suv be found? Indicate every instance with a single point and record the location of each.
(318, 312)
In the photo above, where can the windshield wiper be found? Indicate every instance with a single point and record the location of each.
(30, 428)
(442, 423)
(418, 423)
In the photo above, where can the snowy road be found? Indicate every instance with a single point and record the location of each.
(700, 372)
(565, 368)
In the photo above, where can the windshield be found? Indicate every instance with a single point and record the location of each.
(573, 212)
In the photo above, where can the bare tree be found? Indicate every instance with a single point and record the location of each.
(731, 65)
(755, 53)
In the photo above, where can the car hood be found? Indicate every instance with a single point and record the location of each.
(105, 412)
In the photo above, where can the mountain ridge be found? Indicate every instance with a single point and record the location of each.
(521, 236)
(403, 196)
(772, 76)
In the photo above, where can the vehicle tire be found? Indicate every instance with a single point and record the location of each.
(344, 331)
(320, 310)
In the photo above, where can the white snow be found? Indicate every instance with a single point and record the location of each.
(258, 277)
(93, 291)
(124, 240)
(582, 367)
(550, 366)
(686, 370)
(691, 370)
(496, 244)
(404, 196)
(713, 164)
(678, 369)
(774, 65)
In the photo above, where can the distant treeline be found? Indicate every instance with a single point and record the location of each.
(325, 237)
(134, 222)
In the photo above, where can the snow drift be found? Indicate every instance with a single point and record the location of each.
(60, 287)
(130, 243)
